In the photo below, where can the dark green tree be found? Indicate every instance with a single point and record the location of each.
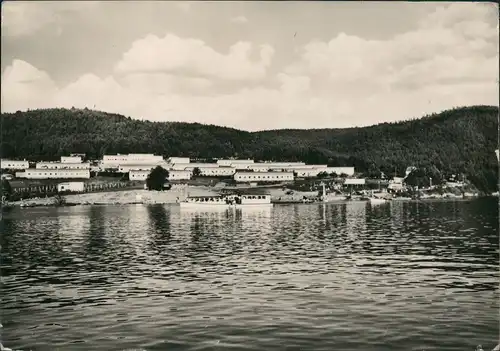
(322, 175)
(6, 189)
(435, 176)
(417, 178)
(196, 172)
(157, 178)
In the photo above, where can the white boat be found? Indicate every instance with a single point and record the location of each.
(331, 197)
(227, 201)
(401, 198)
(334, 198)
(377, 200)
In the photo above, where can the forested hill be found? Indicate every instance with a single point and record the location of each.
(459, 140)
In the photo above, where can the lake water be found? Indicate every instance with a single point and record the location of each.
(397, 276)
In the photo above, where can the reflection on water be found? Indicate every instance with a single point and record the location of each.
(398, 276)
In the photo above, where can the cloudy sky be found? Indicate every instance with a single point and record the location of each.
(250, 65)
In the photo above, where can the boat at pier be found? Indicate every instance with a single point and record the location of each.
(227, 201)
(378, 200)
(332, 197)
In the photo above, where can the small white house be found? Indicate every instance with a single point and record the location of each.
(14, 164)
(179, 175)
(71, 159)
(263, 176)
(135, 174)
(76, 187)
(110, 161)
(175, 160)
(396, 184)
(54, 174)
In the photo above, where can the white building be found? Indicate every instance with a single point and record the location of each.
(71, 186)
(206, 169)
(62, 165)
(114, 161)
(138, 174)
(125, 168)
(229, 162)
(191, 166)
(259, 167)
(308, 172)
(396, 184)
(179, 175)
(144, 158)
(71, 159)
(355, 181)
(263, 176)
(339, 170)
(14, 164)
(284, 164)
(240, 166)
(54, 174)
(172, 175)
(217, 172)
(174, 160)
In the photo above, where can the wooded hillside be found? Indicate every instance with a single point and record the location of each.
(461, 140)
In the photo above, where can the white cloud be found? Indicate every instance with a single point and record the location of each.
(239, 19)
(450, 60)
(192, 56)
(184, 6)
(24, 86)
(20, 18)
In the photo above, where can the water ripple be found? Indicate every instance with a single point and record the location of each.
(400, 276)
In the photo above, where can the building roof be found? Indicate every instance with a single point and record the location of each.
(354, 181)
(261, 173)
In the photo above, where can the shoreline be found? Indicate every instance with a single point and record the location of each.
(175, 195)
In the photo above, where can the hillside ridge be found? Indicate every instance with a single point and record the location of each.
(460, 140)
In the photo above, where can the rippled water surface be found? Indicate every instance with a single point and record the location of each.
(398, 276)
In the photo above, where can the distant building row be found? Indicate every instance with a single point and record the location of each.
(179, 167)
(239, 176)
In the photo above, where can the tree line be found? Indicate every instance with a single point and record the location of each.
(456, 141)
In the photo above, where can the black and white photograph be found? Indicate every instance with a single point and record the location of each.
(249, 176)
